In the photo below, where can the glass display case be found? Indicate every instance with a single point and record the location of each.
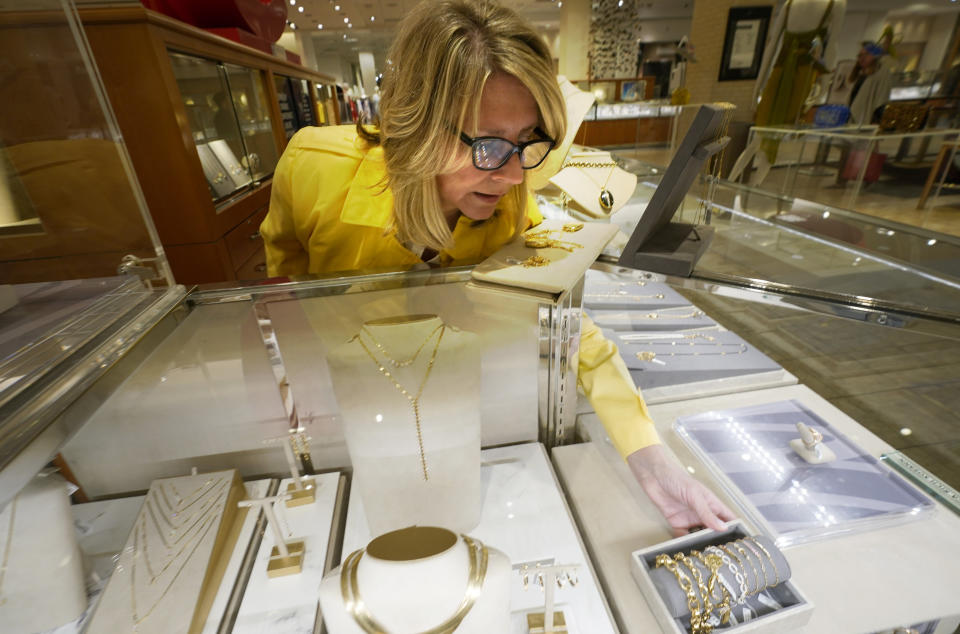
(204, 460)
(296, 100)
(226, 106)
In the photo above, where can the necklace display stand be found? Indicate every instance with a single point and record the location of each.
(41, 571)
(408, 389)
(595, 183)
(286, 557)
(302, 489)
(169, 571)
(419, 579)
(657, 244)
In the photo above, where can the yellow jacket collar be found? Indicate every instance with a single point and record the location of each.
(369, 202)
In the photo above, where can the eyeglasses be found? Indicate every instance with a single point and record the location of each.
(491, 152)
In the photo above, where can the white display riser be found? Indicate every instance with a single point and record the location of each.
(288, 604)
(102, 530)
(861, 582)
(524, 516)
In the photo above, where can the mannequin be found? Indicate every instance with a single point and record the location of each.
(418, 578)
(789, 70)
(412, 465)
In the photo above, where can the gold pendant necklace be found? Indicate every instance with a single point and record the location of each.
(541, 240)
(413, 400)
(350, 590)
(606, 197)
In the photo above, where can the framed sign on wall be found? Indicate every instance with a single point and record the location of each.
(743, 45)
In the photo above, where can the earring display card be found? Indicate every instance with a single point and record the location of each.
(780, 608)
(664, 359)
(672, 319)
(796, 502)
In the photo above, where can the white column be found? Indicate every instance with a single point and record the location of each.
(368, 71)
(574, 39)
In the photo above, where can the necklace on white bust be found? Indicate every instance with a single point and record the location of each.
(350, 590)
(606, 197)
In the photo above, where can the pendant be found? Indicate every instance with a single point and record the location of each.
(606, 200)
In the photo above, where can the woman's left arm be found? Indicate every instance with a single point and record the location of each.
(683, 500)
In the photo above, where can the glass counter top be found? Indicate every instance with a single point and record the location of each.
(878, 265)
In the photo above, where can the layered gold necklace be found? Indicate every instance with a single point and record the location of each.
(350, 590)
(412, 398)
(188, 534)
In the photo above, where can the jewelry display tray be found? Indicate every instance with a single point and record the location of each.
(748, 451)
(794, 614)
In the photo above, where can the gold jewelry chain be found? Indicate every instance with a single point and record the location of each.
(541, 240)
(605, 198)
(199, 491)
(406, 362)
(6, 548)
(199, 514)
(478, 557)
(414, 400)
(650, 355)
(134, 609)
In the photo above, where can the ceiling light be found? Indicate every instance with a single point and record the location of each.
(931, 242)
(349, 25)
(559, 4)
(293, 2)
(372, 18)
(293, 26)
(336, 7)
(319, 26)
(300, 9)
(620, 3)
(346, 20)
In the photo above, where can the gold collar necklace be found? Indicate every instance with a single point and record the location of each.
(353, 602)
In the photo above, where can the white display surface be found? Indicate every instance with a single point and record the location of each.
(524, 515)
(41, 572)
(288, 604)
(862, 582)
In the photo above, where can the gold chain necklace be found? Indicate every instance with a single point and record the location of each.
(146, 549)
(622, 295)
(134, 610)
(199, 491)
(606, 198)
(199, 514)
(542, 240)
(406, 362)
(650, 355)
(350, 590)
(6, 548)
(664, 314)
(414, 400)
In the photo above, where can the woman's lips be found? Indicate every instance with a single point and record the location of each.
(488, 198)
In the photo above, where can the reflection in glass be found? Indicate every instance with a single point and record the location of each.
(230, 121)
(294, 98)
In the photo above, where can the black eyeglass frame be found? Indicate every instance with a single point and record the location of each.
(515, 149)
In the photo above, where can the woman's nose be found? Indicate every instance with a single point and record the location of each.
(511, 172)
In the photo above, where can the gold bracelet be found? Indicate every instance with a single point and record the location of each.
(705, 627)
(712, 562)
(756, 573)
(751, 540)
(693, 604)
(763, 566)
(726, 555)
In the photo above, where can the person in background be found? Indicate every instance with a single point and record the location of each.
(872, 80)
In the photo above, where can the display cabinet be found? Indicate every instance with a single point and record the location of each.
(205, 120)
(204, 460)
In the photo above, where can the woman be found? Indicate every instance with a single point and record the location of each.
(469, 104)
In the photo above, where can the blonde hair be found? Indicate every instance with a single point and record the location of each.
(437, 67)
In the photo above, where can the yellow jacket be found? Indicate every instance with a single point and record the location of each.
(329, 212)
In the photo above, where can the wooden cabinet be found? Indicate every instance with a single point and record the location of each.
(204, 125)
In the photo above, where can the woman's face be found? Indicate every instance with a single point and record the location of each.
(507, 110)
